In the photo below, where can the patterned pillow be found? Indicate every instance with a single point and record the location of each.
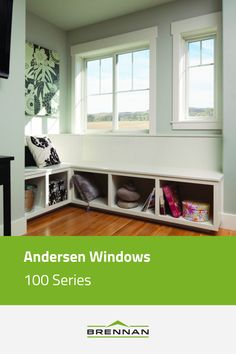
(42, 151)
(85, 186)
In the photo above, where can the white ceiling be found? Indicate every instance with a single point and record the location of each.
(70, 14)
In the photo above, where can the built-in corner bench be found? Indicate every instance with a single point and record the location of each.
(204, 186)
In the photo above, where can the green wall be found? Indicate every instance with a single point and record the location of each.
(12, 113)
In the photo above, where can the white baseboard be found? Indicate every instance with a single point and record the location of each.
(228, 221)
(18, 227)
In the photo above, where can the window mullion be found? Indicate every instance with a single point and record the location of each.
(85, 100)
(200, 53)
(114, 94)
(132, 72)
(216, 89)
(186, 83)
(100, 76)
(44, 125)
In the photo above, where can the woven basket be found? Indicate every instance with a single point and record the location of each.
(29, 200)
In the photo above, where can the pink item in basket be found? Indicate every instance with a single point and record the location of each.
(173, 200)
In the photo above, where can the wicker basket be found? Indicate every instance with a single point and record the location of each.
(29, 199)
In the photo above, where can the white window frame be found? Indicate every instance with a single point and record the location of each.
(142, 39)
(184, 31)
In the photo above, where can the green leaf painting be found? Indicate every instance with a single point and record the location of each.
(41, 81)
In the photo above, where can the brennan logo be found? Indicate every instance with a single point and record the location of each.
(117, 330)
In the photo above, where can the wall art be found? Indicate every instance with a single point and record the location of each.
(41, 81)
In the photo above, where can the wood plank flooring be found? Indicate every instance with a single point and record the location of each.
(74, 221)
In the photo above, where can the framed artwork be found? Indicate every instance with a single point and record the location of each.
(41, 81)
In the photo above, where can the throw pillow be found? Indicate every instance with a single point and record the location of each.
(85, 186)
(43, 151)
(29, 159)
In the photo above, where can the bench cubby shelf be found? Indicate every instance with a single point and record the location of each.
(204, 191)
(204, 186)
(144, 186)
(41, 179)
(102, 180)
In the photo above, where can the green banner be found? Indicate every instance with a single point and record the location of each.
(118, 271)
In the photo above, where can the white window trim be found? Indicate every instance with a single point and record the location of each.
(182, 31)
(128, 41)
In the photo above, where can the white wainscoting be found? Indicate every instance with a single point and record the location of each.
(202, 153)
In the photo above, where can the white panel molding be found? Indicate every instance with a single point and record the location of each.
(155, 151)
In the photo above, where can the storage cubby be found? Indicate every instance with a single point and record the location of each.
(58, 188)
(144, 186)
(42, 178)
(189, 191)
(100, 181)
(196, 186)
(39, 194)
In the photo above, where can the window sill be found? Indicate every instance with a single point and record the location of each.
(117, 133)
(196, 125)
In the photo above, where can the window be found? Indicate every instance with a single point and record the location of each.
(196, 73)
(200, 78)
(41, 125)
(99, 98)
(114, 87)
(118, 92)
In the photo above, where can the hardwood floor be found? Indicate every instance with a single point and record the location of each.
(74, 221)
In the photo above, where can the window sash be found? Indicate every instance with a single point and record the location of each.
(187, 76)
(114, 93)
